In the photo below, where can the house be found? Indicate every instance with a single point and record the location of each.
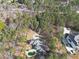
(37, 43)
(71, 41)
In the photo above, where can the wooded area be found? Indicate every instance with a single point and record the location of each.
(46, 17)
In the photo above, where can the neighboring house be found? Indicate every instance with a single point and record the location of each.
(71, 41)
(38, 44)
(41, 48)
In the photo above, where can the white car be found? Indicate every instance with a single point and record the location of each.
(70, 50)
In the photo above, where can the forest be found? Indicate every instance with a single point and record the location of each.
(45, 17)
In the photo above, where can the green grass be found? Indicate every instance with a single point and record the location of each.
(2, 25)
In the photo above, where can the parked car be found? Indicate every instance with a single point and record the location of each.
(69, 41)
